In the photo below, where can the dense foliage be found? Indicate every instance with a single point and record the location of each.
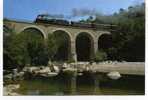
(58, 46)
(26, 48)
(7, 39)
(128, 41)
(29, 48)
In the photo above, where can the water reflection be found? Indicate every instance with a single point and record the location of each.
(82, 85)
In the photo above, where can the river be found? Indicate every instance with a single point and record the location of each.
(82, 85)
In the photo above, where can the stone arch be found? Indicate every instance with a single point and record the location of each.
(64, 49)
(34, 27)
(102, 33)
(84, 46)
(104, 41)
(63, 30)
(88, 33)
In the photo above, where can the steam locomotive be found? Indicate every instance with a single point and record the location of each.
(44, 18)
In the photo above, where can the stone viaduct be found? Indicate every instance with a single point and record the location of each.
(72, 32)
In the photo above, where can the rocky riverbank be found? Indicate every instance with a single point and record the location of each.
(134, 68)
(10, 90)
(113, 70)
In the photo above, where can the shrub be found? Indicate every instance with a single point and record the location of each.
(100, 56)
(71, 60)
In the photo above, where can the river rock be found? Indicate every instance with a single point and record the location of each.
(8, 77)
(32, 69)
(51, 74)
(56, 69)
(69, 69)
(65, 65)
(9, 89)
(94, 63)
(14, 71)
(44, 70)
(80, 74)
(114, 75)
(25, 69)
(13, 87)
(115, 62)
(87, 68)
(20, 75)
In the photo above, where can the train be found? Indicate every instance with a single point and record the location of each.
(44, 18)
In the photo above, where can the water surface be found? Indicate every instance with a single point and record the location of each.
(82, 85)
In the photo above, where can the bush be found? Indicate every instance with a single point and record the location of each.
(100, 56)
(71, 60)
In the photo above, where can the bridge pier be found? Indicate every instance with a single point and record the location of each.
(95, 46)
(73, 51)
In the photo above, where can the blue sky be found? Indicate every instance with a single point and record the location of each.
(29, 9)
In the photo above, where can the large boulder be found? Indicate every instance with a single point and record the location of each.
(44, 70)
(114, 75)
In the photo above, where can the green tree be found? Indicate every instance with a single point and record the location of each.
(129, 37)
(26, 48)
(8, 35)
(52, 46)
(57, 44)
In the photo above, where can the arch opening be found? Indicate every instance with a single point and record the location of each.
(63, 51)
(34, 28)
(33, 40)
(84, 47)
(104, 44)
